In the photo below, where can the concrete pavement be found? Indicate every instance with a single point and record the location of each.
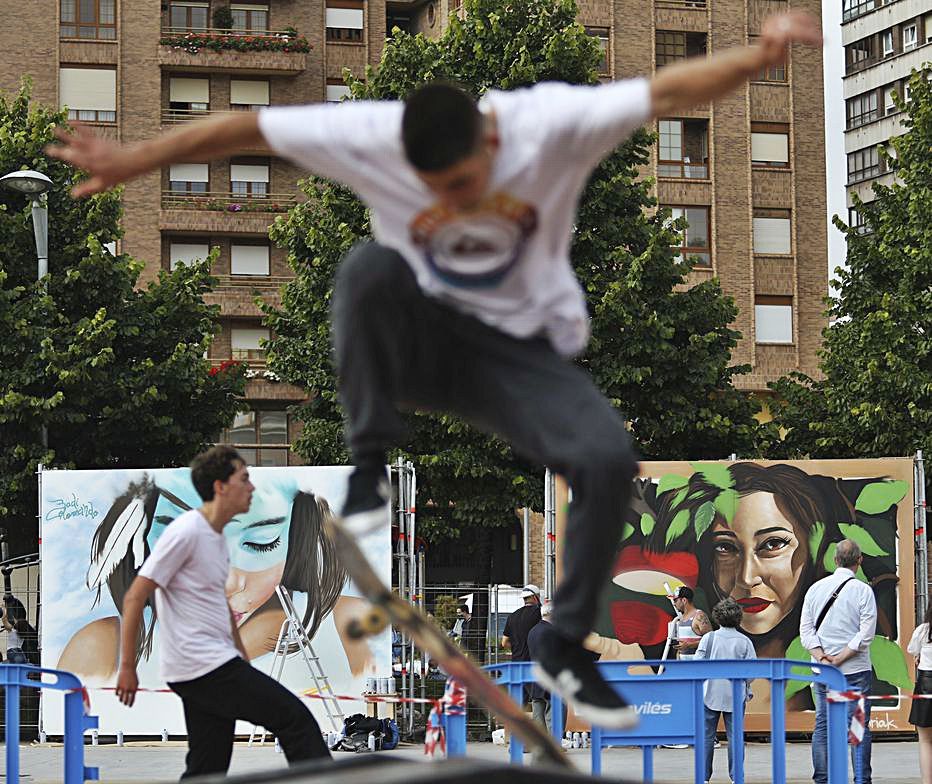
(163, 762)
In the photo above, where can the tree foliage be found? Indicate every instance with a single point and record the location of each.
(116, 374)
(661, 352)
(874, 398)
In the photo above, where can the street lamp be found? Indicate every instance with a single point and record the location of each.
(34, 185)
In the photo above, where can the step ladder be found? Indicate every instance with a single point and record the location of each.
(293, 639)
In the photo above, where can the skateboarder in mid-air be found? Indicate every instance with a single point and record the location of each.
(465, 301)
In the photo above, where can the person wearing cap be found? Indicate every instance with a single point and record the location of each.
(520, 623)
(689, 625)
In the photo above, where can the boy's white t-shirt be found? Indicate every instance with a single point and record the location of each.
(507, 262)
(190, 564)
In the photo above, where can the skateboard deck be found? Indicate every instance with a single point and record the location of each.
(389, 608)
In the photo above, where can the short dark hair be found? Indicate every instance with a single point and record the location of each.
(218, 462)
(685, 592)
(463, 608)
(441, 126)
(727, 613)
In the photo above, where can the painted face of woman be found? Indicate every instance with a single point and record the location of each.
(758, 560)
(258, 542)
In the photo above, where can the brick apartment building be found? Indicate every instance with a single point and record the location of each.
(747, 173)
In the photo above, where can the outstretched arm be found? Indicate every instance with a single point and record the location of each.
(109, 163)
(700, 80)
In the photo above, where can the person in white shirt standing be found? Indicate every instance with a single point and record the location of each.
(920, 714)
(466, 302)
(837, 625)
(202, 657)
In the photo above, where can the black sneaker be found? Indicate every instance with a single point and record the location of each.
(366, 507)
(565, 667)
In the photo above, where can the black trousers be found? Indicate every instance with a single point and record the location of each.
(237, 690)
(398, 349)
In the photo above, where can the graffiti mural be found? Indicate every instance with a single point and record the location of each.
(762, 533)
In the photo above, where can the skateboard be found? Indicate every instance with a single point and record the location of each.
(387, 608)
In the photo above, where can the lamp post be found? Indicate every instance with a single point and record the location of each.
(34, 185)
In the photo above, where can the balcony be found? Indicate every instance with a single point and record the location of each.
(173, 117)
(257, 52)
(222, 212)
(678, 4)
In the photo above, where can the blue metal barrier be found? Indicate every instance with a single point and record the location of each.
(14, 677)
(671, 708)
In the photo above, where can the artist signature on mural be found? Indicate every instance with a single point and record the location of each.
(66, 508)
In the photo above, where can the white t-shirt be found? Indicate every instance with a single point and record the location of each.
(190, 564)
(506, 262)
(920, 646)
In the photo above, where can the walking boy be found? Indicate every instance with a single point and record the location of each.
(466, 302)
(201, 655)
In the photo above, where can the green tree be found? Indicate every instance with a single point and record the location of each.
(116, 374)
(661, 354)
(874, 398)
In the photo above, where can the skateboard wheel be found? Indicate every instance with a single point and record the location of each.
(373, 622)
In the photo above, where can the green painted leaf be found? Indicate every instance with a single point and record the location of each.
(678, 526)
(679, 498)
(878, 497)
(829, 560)
(703, 518)
(795, 651)
(726, 504)
(670, 482)
(647, 524)
(815, 540)
(626, 530)
(862, 538)
(717, 474)
(890, 662)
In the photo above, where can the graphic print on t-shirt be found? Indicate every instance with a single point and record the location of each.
(478, 248)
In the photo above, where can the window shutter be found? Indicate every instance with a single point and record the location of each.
(350, 18)
(187, 253)
(770, 147)
(241, 172)
(249, 92)
(336, 92)
(249, 260)
(249, 7)
(88, 88)
(189, 172)
(189, 90)
(247, 338)
(772, 235)
(773, 323)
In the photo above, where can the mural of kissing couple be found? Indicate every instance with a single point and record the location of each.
(91, 556)
(762, 533)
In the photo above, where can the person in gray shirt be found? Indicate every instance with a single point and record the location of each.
(724, 643)
(837, 626)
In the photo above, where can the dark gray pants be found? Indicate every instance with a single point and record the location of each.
(399, 349)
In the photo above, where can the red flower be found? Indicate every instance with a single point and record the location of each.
(639, 623)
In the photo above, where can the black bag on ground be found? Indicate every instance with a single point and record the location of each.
(356, 729)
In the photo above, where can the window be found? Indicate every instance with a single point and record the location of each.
(89, 94)
(886, 42)
(889, 103)
(249, 260)
(249, 18)
(89, 19)
(248, 94)
(344, 21)
(775, 73)
(852, 9)
(695, 238)
(337, 91)
(910, 37)
(770, 144)
(927, 27)
(772, 232)
(856, 221)
(245, 342)
(683, 149)
(186, 253)
(188, 96)
(862, 109)
(188, 16)
(773, 319)
(188, 177)
(858, 54)
(260, 437)
(601, 34)
(863, 164)
(673, 45)
(249, 178)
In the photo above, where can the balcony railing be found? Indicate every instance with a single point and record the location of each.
(194, 39)
(177, 116)
(219, 201)
(680, 3)
(686, 171)
(252, 281)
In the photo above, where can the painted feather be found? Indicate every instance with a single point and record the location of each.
(127, 534)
